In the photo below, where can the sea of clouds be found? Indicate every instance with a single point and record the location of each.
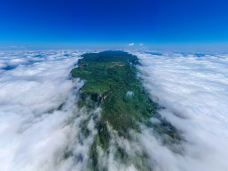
(39, 121)
(194, 91)
(40, 125)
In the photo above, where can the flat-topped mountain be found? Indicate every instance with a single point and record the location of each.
(111, 83)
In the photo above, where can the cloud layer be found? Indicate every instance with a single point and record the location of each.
(40, 125)
(194, 91)
(37, 104)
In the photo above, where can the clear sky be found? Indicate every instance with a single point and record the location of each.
(113, 22)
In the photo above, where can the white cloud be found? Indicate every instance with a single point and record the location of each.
(131, 44)
(34, 132)
(194, 91)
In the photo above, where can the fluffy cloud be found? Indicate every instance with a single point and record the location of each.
(131, 44)
(194, 91)
(38, 127)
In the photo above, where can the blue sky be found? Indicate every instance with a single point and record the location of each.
(113, 22)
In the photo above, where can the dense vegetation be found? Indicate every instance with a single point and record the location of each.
(111, 83)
